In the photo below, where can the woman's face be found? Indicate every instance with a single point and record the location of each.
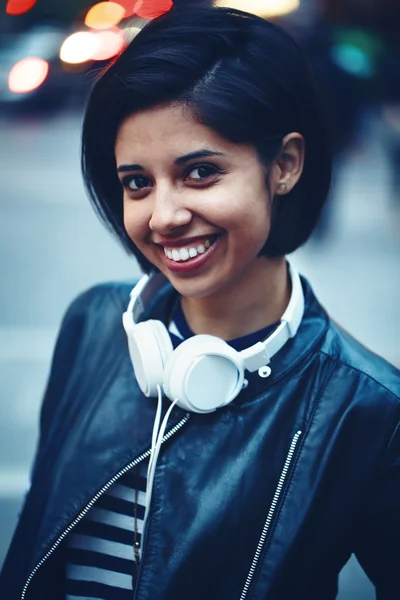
(195, 204)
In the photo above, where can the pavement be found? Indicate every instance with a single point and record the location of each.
(52, 247)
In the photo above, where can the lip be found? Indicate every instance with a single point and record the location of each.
(192, 264)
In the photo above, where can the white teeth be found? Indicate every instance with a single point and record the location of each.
(184, 254)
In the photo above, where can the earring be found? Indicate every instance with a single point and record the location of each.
(283, 187)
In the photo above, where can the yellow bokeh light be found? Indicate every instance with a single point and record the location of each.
(262, 8)
(104, 15)
(79, 47)
(27, 75)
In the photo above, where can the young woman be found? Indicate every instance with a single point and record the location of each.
(273, 451)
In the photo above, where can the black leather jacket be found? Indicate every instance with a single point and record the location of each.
(263, 500)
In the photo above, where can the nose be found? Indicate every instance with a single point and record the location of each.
(168, 212)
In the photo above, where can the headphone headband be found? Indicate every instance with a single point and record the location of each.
(256, 356)
(204, 373)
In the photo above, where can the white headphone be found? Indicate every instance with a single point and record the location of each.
(204, 373)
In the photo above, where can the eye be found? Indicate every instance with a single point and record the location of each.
(202, 172)
(135, 183)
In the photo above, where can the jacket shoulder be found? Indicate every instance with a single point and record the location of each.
(90, 323)
(109, 296)
(359, 360)
(94, 315)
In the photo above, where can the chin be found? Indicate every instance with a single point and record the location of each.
(196, 287)
(191, 290)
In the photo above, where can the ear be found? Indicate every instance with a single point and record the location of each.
(288, 167)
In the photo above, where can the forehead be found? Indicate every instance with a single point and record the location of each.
(168, 131)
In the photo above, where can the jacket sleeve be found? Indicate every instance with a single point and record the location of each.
(378, 541)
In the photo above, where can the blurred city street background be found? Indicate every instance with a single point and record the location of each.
(52, 246)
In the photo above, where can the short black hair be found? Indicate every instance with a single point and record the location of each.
(240, 75)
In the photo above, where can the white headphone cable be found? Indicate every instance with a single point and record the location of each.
(156, 427)
(157, 438)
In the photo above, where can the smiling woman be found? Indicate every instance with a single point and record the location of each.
(274, 451)
(218, 85)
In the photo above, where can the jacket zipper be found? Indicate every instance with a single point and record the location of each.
(270, 515)
(127, 468)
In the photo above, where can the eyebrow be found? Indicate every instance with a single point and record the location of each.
(196, 154)
(127, 168)
(181, 160)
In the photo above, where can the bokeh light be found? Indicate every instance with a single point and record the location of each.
(19, 7)
(129, 6)
(79, 47)
(109, 44)
(146, 9)
(262, 8)
(104, 15)
(27, 75)
(150, 9)
(352, 59)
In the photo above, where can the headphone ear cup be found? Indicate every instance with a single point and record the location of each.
(204, 373)
(150, 347)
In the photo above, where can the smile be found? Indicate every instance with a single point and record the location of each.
(188, 259)
(185, 253)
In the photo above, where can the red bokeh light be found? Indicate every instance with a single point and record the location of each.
(19, 7)
(150, 9)
(128, 5)
(147, 9)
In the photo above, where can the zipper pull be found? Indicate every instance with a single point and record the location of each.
(136, 552)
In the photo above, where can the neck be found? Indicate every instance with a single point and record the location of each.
(258, 300)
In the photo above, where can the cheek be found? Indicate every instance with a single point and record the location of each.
(253, 211)
(135, 221)
(244, 201)
(255, 222)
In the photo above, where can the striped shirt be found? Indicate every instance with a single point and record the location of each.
(100, 557)
(100, 549)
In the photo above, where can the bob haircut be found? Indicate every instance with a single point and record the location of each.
(236, 73)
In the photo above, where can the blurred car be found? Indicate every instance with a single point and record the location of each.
(32, 73)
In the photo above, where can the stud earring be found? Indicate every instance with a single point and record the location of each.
(283, 187)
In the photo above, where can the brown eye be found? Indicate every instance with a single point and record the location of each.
(136, 182)
(202, 172)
